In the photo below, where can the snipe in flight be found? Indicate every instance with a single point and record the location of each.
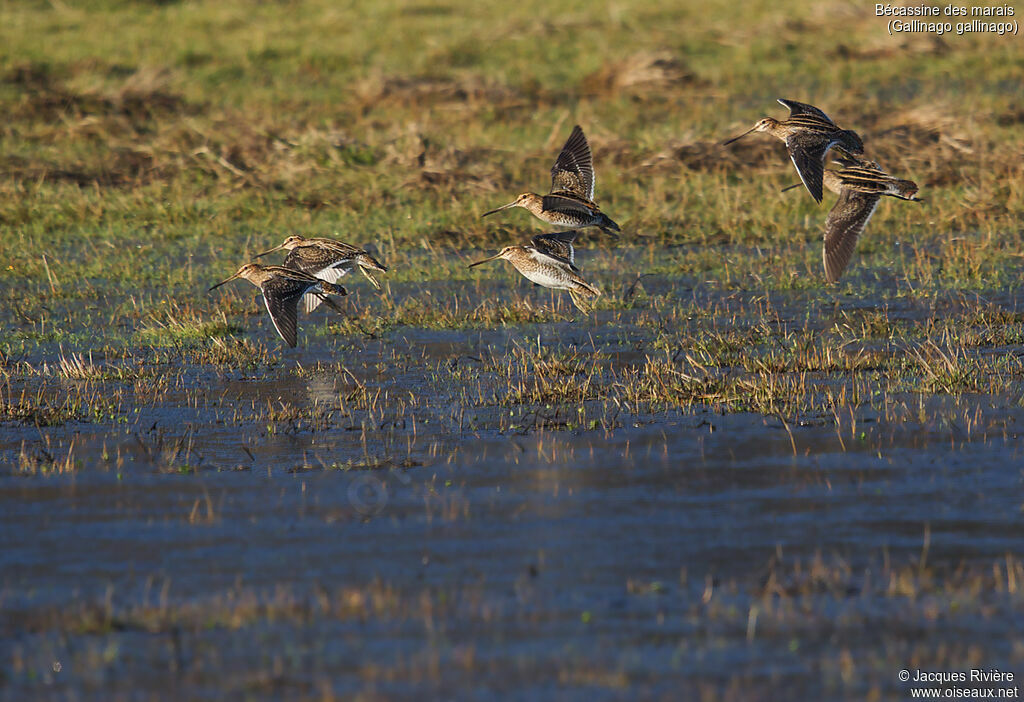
(571, 200)
(551, 263)
(327, 259)
(809, 134)
(282, 289)
(860, 185)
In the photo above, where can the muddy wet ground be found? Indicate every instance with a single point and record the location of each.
(510, 511)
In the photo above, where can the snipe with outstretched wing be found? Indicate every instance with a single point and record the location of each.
(809, 134)
(860, 185)
(571, 200)
(327, 259)
(282, 289)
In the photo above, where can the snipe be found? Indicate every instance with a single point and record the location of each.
(809, 134)
(282, 289)
(551, 263)
(860, 185)
(327, 259)
(571, 200)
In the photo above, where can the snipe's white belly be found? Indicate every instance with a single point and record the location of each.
(548, 277)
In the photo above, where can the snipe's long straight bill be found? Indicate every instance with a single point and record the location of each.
(370, 277)
(726, 143)
(270, 251)
(234, 277)
(503, 207)
(495, 256)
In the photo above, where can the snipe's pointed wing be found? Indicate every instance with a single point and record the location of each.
(569, 205)
(332, 274)
(807, 150)
(557, 245)
(573, 172)
(846, 221)
(310, 301)
(281, 296)
(802, 108)
(315, 259)
(313, 299)
(340, 246)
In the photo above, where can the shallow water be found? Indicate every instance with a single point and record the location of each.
(419, 547)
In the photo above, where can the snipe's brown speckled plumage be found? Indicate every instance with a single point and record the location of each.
(282, 289)
(327, 259)
(809, 134)
(860, 185)
(571, 200)
(551, 263)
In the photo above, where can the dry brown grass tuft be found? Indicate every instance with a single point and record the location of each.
(928, 142)
(377, 90)
(641, 74)
(75, 366)
(431, 164)
(139, 100)
(915, 45)
(712, 156)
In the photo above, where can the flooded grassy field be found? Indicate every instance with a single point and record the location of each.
(729, 482)
(716, 493)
